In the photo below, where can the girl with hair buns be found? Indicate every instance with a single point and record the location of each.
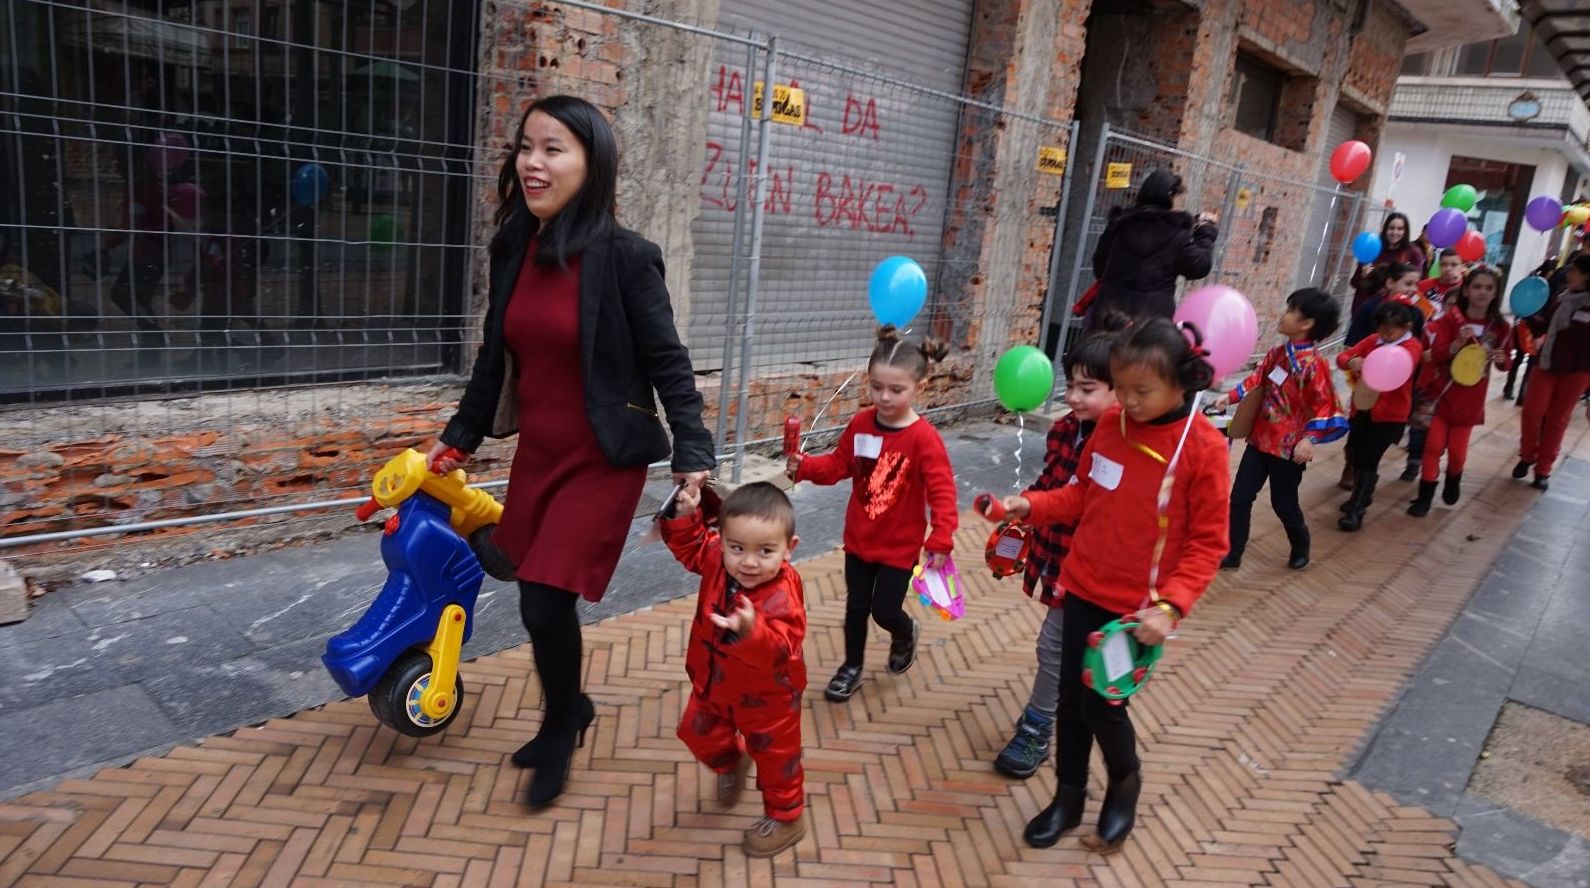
(899, 471)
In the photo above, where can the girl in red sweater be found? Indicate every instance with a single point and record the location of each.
(1150, 504)
(1372, 432)
(899, 471)
(1474, 319)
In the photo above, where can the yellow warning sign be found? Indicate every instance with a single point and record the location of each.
(1051, 160)
(1118, 175)
(789, 105)
(1244, 198)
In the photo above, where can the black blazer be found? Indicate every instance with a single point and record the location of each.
(628, 347)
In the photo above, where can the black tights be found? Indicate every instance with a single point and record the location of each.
(550, 617)
(878, 591)
(1084, 716)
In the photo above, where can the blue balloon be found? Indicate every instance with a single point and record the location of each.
(1529, 296)
(311, 183)
(1366, 247)
(897, 290)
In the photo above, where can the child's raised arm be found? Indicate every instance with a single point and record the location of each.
(830, 468)
(697, 548)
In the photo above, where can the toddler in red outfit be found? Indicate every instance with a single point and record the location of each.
(1149, 503)
(1371, 432)
(898, 471)
(744, 660)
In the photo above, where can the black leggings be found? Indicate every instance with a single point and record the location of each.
(1083, 715)
(1368, 441)
(550, 617)
(876, 590)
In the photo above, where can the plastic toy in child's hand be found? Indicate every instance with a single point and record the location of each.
(792, 435)
(1011, 542)
(1115, 664)
(940, 589)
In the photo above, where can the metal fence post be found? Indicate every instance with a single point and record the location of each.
(1054, 250)
(1082, 241)
(726, 373)
(1227, 210)
(753, 275)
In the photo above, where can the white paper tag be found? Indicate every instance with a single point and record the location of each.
(1278, 375)
(1106, 472)
(868, 446)
(1117, 656)
(1581, 317)
(1008, 547)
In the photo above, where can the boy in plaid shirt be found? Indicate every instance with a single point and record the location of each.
(1089, 393)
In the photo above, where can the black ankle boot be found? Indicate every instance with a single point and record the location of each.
(1421, 504)
(1453, 489)
(1118, 815)
(529, 755)
(1363, 494)
(554, 758)
(1064, 813)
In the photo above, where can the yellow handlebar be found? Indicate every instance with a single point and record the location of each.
(406, 474)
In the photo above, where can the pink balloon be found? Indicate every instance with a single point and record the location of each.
(1228, 324)
(1387, 367)
(169, 151)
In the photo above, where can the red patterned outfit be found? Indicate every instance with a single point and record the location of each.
(1458, 408)
(1299, 403)
(897, 476)
(745, 692)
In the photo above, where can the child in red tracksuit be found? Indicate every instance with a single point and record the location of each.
(744, 660)
(1298, 410)
(1150, 507)
(1372, 432)
(899, 471)
(1473, 318)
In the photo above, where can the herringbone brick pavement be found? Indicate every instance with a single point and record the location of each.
(1262, 700)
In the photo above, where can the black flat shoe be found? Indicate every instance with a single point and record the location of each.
(529, 754)
(1118, 815)
(844, 684)
(1521, 470)
(1298, 561)
(1064, 813)
(902, 652)
(1231, 562)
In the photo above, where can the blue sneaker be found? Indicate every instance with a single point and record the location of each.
(1029, 746)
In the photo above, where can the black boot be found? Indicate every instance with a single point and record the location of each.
(1453, 489)
(560, 734)
(1118, 815)
(1064, 813)
(1421, 505)
(528, 755)
(1301, 544)
(1410, 472)
(1363, 494)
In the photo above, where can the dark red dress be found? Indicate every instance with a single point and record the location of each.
(568, 509)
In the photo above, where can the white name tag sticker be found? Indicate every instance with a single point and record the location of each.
(868, 446)
(1106, 472)
(1581, 317)
(1278, 375)
(1117, 656)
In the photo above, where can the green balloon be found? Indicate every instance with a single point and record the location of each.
(1023, 378)
(383, 231)
(1460, 197)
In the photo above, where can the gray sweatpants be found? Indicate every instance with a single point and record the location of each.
(1046, 683)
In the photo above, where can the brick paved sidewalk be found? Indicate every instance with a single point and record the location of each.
(1263, 701)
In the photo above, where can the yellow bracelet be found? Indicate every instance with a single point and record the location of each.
(1170, 610)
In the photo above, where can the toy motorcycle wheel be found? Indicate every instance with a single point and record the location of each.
(395, 700)
(492, 559)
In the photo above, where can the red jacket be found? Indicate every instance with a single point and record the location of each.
(1114, 504)
(1299, 400)
(722, 666)
(897, 475)
(1397, 404)
(1462, 405)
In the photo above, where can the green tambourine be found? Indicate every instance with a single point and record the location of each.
(1116, 665)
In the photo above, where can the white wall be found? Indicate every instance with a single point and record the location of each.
(1429, 154)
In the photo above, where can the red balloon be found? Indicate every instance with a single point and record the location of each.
(1471, 246)
(1349, 161)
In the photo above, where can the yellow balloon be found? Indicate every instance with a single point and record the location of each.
(1577, 215)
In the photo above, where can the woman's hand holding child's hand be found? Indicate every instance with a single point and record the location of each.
(1153, 626)
(741, 621)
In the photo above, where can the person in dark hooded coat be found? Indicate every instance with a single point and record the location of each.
(1146, 248)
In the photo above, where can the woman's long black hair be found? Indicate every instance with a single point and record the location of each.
(1407, 232)
(1160, 189)
(588, 215)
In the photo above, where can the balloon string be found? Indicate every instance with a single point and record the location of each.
(1021, 428)
(813, 427)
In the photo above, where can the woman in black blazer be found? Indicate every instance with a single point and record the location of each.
(579, 333)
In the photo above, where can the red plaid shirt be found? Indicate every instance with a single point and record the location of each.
(1051, 542)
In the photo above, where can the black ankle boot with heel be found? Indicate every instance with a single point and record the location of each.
(528, 755)
(551, 752)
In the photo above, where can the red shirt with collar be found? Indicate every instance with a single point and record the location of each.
(897, 476)
(1299, 400)
(1397, 404)
(722, 666)
(1114, 503)
(1461, 405)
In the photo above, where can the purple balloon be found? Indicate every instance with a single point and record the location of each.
(1543, 213)
(1447, 226)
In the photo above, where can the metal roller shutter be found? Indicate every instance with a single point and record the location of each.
(1326, 261)
(867, 176)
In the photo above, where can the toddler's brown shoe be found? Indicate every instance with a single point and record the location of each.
(768, 837)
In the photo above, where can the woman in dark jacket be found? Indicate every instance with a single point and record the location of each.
(1396, 245)
(578, 334)
(1144, 249)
